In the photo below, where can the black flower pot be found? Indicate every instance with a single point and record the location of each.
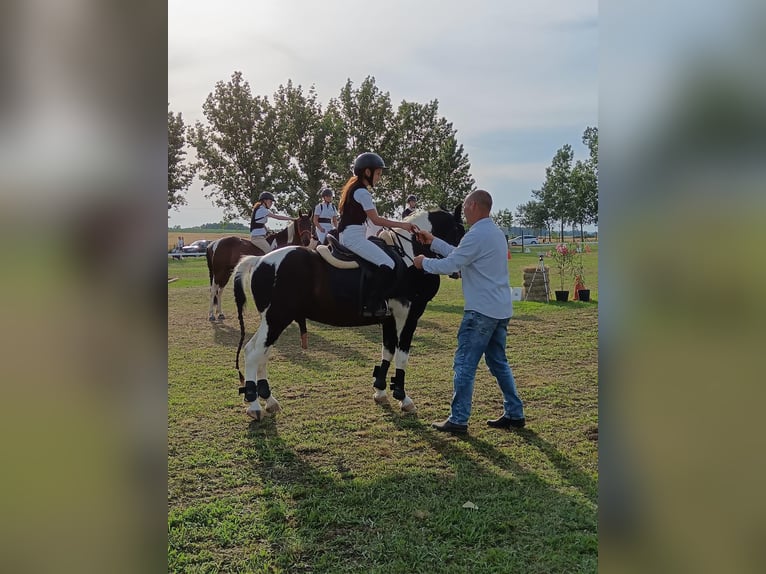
(583, 295)
(562, 296)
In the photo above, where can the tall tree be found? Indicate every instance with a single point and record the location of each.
(238, 151)
(180, 173)
(427, 160)
(303, 138)
(590, 139)
(556, 193)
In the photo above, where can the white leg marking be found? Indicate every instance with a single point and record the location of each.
(380, 397)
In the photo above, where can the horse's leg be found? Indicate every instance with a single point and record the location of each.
(218, 292)
(387, 352)
(257, 353)
(304, 332)
(213, 295)
(406, 321)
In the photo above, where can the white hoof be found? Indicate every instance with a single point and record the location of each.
(408, 406)
(254, 411)
(211, 318)
(221, 316)
(380, 397)
(272, 405)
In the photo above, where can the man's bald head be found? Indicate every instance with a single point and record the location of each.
(482, 200)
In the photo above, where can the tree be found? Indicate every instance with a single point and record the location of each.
(292, 148)
(426, 158)
(238, 151)
(534, 215)
(556, 193)
(503, 219)
(590, 138)
(180, 174)
(303, 136)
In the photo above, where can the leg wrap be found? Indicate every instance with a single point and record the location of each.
(249, 391)
(263, 388)
(397, 385)
(380, 373)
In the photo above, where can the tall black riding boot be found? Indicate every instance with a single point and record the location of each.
(380, 284)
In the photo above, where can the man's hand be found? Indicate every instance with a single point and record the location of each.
(418, 261)
(424, 237)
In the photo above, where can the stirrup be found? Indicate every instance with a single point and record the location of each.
(382, 310)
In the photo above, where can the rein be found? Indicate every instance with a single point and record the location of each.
(400, 246)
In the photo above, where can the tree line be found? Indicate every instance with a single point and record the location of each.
(569, 194)
(289, 145)
(292, 147)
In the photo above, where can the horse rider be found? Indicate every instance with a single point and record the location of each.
(325, 215)
(356, 208)
(261, 213)
(412, 205)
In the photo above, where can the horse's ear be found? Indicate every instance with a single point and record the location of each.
(458, 214)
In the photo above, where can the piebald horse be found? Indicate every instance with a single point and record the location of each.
(224, 254)
(295, 284)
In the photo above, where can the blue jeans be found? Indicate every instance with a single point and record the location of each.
(481, 335)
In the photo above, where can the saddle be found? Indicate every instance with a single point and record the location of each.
(341, 257)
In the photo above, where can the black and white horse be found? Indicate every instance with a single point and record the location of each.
(295, 284)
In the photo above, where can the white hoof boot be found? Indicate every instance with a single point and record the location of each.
(254, 411)
(408, 406)
(211, 318)
(380, 397)
(272, 405)
(221, 316)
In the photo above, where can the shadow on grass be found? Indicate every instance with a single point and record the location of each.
(226, 335)
(304, 510)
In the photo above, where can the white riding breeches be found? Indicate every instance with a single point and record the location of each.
(322, 232)
(354, 237)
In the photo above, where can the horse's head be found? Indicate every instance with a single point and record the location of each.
(442, 224)
(304, 227)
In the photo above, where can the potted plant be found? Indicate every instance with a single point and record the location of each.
(578, 272)
(563, 256)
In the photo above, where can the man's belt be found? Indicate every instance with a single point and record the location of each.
(325, 220)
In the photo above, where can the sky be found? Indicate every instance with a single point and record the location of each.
(518, 80)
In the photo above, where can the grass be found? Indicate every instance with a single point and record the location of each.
(335, 483)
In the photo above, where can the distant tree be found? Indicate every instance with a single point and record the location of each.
(503, 218)
(180, 174)
(533, 214)
(590, 196)
(583, 188)
(556, 193)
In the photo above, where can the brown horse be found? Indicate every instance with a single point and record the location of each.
(224, 254)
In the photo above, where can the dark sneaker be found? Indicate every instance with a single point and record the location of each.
(447, 426)
(505, 422)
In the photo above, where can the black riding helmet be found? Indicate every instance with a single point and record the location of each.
(326, 192)
(367, 160)
(412, 198)
(265, 195)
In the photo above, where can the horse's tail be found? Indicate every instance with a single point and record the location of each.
(243, 274)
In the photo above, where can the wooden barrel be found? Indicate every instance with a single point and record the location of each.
(534, 284)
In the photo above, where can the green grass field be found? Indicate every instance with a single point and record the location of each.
(335, 483)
